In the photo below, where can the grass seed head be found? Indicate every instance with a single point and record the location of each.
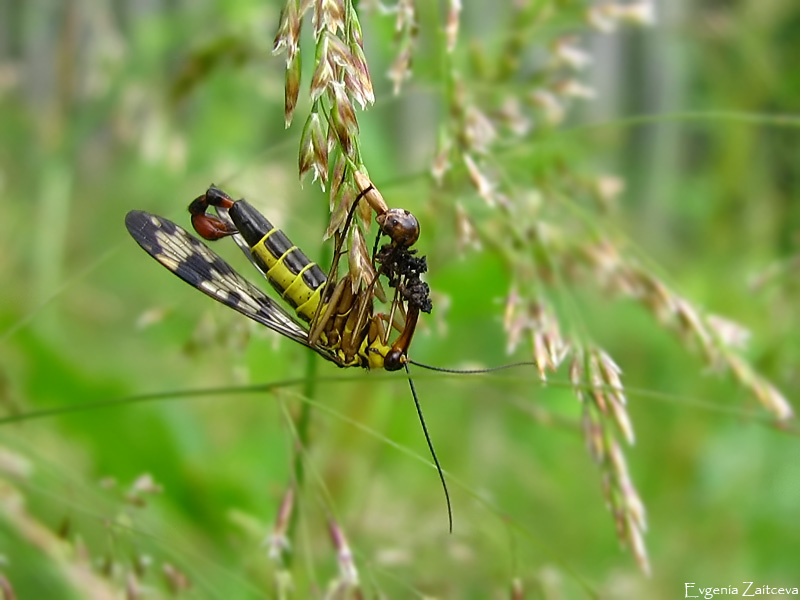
(177, 581)
(517, 589)
(305, 159)
(288, 36)
(400, 70)
(337, 177)
(357, 78)
(314, 149)
(641, 13)
(569, 55)
(441, 162)
(550, 106)
(479, 133)
(482, 184)
(466, 235)
(339, 215)
(323, 72)
(277, 543)
(329, 15)
(344, 556)
(291, 89)
(371, 194)
(451, 25)
(773, 400)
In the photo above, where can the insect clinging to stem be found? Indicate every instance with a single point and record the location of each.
(334, 316)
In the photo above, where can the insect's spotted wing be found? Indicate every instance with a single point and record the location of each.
(202, 268)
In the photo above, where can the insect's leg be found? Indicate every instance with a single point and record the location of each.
(376, 329)
(375, 248)
(350, 329)
(395, 302)
(403, 315)
(397, 356)
(335, 328)
(359, 322)
(318, 325)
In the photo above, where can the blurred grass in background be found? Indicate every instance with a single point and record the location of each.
(123, 105)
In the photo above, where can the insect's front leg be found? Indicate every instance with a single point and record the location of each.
(322, 318)
(398, 355)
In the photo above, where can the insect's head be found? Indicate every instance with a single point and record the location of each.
(400, 225)
(394, 360)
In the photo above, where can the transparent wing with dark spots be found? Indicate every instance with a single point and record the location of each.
(202, 268)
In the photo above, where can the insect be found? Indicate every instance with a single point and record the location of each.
(334, 317)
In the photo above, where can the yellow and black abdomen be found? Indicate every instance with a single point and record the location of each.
(298, 280)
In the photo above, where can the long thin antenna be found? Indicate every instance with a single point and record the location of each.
(526, 363)
(430, 447)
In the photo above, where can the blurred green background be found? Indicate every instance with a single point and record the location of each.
(110, 105)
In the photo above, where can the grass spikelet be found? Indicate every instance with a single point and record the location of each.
(278, 544)
(406, 31)
(451, 25)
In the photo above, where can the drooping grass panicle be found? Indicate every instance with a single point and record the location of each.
(329, 145)
(537, 321)
(340, 79)
(719, 340)
(595, 379)
(528, 102)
